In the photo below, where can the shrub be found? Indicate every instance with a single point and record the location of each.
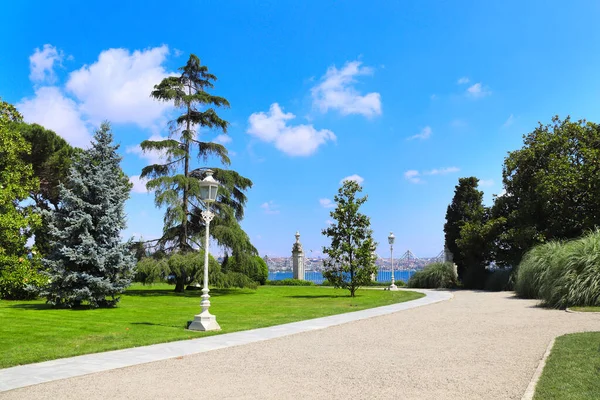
(434, 276)
(253, 266)
(19, 278)
(290, 282)
(500, 280)
(386, 284)
(562, 274)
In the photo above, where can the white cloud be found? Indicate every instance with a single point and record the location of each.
(270, 207)
(41, 64)
(152, 156)
(139, 184)
(433, 96)
(327, 203)
(463, 80)
(458, 123)
(222, 139)
(442, 171)
(413, 176)
(486, 182)
(329, 222)
(356, 178)
(51, 109)
(425, 134)
(478, 91)
(509, 121)
(502, 193)
(336, 91)
(298, 140)
(117, 87)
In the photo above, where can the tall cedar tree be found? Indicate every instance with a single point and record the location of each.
(466, 209)
(89, 263)
(17, 271)
(175, 182)
(351, 259)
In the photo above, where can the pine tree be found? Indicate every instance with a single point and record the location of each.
(89, 263)
(351, 259)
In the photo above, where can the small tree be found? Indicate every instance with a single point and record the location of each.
(351, 260)
(88, 262)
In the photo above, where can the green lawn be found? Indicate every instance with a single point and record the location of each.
(572, 370)
(585, 309)
(31, 331)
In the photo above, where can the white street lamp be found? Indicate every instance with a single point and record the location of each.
(391, 239)
(205, 321)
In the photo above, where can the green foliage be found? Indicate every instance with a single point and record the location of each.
(552, 188)
(190, 267)
(88, 263)
(386, 284)
(176, 183)
(500, 280)
(290, 282)
(350, 261)
(18, 274)
(254, 267)
(434, 276)
(562, 274)
(467, 235)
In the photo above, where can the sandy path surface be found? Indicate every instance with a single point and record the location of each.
(475, 346)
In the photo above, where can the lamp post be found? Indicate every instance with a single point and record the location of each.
(391, 239)
(205, 321)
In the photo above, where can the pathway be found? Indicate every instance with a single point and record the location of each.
(475, 346)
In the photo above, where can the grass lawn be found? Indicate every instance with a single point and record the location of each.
(585, 309)
(572, 370)
(32, 331)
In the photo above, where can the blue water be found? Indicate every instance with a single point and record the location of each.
(317, 277)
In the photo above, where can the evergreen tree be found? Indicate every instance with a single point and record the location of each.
(465, 220)
(88, 262)
(175, 182)
(351, 259)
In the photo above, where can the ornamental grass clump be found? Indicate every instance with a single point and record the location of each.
(434, 276)
(562, 274)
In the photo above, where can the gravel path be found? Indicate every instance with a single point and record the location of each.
(475, 346)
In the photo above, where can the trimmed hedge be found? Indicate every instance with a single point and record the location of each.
(290, 282)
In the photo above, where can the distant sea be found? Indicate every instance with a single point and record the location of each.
(317, 277)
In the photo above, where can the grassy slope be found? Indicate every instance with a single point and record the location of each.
(31, 331)
(572, 370)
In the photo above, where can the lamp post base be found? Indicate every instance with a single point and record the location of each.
(393, 287)
(204, 321)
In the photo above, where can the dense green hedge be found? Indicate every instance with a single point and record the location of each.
(253, 266)
(434, 276)
(562, 274)
(499, 280)
(290, 282)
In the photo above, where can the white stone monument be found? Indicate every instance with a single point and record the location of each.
(298, 258)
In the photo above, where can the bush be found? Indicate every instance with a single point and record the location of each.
(386, 284)
(290, 282)
(434, 276)
(500, 280)
(253, 266)
(20, 278)
(562, 274)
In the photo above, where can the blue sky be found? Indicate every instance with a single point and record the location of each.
(405, 96)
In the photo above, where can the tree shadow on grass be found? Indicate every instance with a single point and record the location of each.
(321, 296)
(187, 293)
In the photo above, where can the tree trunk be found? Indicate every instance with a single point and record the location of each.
(180, 284)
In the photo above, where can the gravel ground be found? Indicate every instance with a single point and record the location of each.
(476, 346)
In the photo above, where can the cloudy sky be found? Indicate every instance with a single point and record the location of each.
(403, 97)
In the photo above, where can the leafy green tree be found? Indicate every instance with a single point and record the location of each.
(351, 260)
(18, 266)
(50, 158)
(175, 182)
(464, 232)
(552, 188)
(254, 267)
(88, 262)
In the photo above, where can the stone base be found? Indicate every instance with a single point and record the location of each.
(204, 321)
(393, 287)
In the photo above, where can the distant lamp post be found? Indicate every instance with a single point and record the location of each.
(205, 321)
(391, 239)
